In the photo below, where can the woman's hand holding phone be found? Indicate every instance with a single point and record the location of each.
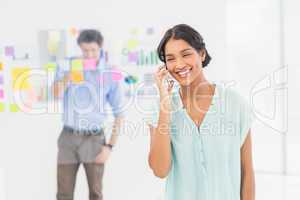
(165, 85)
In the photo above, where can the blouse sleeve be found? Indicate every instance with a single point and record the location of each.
(246, 119)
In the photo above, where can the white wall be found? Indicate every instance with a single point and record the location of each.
(253, 35)
(292, 41)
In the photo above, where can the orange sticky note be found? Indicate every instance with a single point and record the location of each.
(77, 76)
(1, 66)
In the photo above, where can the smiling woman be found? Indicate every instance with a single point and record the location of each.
(200, 159)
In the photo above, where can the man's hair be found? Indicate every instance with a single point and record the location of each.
(90, 35)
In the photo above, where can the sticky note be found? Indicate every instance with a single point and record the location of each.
(50, 66)
(77, 76)
(9, 51)
(2, 107)
(132, 44)
(14, 108)
(116, 76)
(76, 65)
(1, 66)
(20, 78)
(74, 31)
(53, 42)
(1, 79)
(89, 64)
(1, 94)
(133, 57)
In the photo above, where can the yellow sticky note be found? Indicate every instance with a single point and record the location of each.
(77, 76)
(14, 108)
(132, 44)
(2, 107)
(53, 42)
(50, 66)
(1, 66)
(20, 78)
(77, 65)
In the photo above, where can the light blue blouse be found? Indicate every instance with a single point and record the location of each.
(206, 160)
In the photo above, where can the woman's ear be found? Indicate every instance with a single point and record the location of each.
(202, 55)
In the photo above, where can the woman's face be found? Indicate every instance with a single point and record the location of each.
(183, 62)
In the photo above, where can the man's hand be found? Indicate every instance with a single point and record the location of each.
(104, 155)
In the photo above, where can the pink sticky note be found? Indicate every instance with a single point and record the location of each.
(133, 56)
(116, 76)
(89, 64)
(1, 94)
(9, 51)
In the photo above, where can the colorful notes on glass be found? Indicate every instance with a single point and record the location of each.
(117, 76)
(50, 66)
(89, 64)
(20, 78)
(9, 51)
(53, 42)
(132, 44)
(14, 108)
(76, 65)
(2, 107)
(77, 76)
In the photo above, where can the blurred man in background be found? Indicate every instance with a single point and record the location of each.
(82, 139)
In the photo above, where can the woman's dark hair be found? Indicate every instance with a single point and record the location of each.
(90, 35)
(186, 33)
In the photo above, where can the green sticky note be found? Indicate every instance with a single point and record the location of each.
(14, 108)
(2, 107)
(77, 65)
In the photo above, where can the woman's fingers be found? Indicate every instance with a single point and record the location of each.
(170, 85)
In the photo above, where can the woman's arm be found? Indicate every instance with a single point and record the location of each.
(160, 145)
(248, 178)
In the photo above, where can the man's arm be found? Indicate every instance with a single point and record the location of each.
(248, 178)
(115, 100)
(115, 130)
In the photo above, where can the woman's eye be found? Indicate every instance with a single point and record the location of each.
(170, 59)
(185, 55)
